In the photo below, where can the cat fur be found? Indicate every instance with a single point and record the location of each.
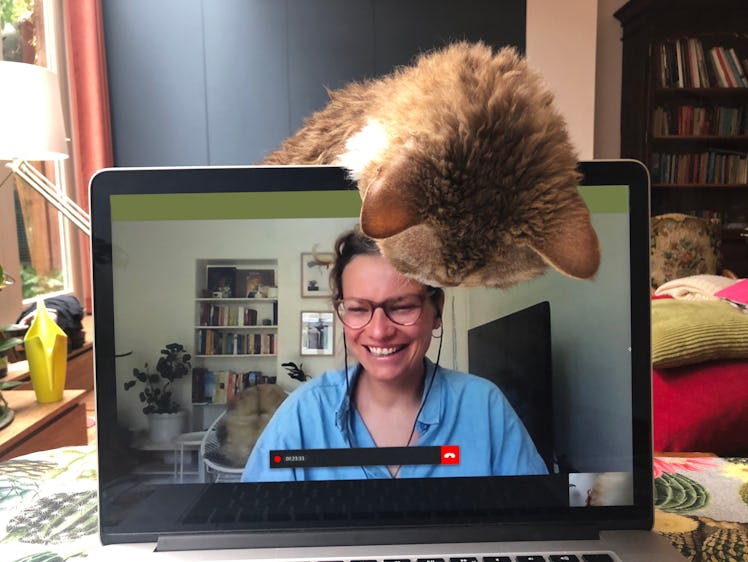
(247, 414)
(464, 165)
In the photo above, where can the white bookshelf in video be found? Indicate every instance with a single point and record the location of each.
(236, 331)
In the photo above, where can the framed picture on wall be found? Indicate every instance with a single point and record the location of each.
(255, 283)
(315, 272)
(220, 281)
(317, 333)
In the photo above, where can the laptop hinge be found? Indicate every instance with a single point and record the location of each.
(408, 535)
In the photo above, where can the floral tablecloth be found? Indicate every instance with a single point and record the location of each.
(48, 506)
(702, 506)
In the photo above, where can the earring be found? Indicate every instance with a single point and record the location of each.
(441, 331)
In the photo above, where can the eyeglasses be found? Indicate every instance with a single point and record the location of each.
(403, 311)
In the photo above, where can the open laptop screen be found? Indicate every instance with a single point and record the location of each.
(232, 264)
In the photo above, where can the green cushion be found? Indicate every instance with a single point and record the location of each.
(686, 332)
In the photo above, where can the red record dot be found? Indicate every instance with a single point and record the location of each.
(277, 459)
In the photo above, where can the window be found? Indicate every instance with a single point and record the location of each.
(41, 249)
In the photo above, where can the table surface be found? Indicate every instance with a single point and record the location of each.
(30, 415)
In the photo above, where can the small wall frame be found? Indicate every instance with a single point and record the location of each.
(317, 333)
(315, 271)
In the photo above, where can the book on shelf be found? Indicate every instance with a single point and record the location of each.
(714, 166)
(692, 120)
(218, 387)
(737, 68)
(719, 72)
(684, 63)
(216, 342)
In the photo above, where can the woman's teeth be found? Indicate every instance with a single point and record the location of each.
(382, 351)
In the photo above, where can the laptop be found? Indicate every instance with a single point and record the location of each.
(262, 235)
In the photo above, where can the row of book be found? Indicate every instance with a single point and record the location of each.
(218, 387)
(710, 215)
(709, 167)
(695, 120)
(684, 63)
(232, 315)
(219, 342)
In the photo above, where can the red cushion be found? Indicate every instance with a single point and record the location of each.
(702, 408)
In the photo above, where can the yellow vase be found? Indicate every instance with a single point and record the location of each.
(46, 346)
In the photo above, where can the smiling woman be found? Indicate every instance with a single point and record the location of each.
(370, 421)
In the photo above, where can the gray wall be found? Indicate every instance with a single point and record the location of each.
(210, 82)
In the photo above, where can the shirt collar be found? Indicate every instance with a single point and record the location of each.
(432, 407)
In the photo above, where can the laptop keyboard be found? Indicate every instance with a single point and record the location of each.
(596, 557)
(346, 500)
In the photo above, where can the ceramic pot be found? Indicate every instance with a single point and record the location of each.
(163, 428)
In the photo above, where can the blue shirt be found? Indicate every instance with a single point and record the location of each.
(460, 409)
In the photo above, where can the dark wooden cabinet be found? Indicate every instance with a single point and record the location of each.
(681, 119)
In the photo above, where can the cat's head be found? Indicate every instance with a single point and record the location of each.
(481, 190)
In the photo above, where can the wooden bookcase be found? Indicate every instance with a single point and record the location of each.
(686, 163)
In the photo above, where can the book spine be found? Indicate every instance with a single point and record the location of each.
(734, 61)
(681, 83)
(718, 72)
(701, 60)
(693, 64)
(729, 79)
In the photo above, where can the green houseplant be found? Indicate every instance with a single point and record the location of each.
(6, 344)
(156, 392)
(6, 414)
(165, 415)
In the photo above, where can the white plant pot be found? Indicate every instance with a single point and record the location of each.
(163, 428)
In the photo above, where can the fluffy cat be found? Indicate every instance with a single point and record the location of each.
(465, 168)
(247, 414)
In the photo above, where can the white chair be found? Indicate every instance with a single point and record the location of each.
(216, 468)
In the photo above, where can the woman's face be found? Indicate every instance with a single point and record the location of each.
(387, 351)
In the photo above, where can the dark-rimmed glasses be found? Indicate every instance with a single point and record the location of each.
(403, 311)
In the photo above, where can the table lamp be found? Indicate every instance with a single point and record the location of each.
(32, 129)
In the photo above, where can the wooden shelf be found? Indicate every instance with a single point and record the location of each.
(701, 138)
(708, 92)
(38, 427)
(700, 185)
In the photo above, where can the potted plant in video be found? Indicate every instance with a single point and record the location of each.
(165, 415)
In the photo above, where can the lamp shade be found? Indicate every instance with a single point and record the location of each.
(31, 123)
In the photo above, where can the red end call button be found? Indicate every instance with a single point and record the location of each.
(450, 454)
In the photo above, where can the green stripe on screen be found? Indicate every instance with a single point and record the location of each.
(289, 204)
(259, 205)
(606, 199)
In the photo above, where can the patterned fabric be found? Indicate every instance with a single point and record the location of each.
(48, 506)
(682, 245)
(702, 506)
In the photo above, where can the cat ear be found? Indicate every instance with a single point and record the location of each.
(573, 248)
(384, 211)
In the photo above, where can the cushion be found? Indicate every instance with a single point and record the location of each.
(682, 245)
(702, 408)
(687, 332)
